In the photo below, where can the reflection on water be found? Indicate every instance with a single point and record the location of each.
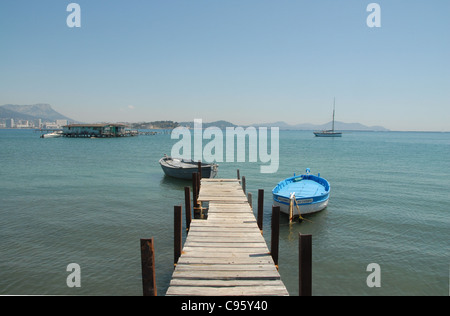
(170, 183)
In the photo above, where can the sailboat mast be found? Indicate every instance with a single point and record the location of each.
(334, 106)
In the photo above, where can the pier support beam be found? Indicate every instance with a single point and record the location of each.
(275, 237)
(177, 227)
(305, 264)
(195, 189)
(200, 170)
(187, 204)
(148, 267)
(260, 209)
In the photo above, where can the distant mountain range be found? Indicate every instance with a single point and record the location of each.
(31, 112)
(46, 113)
(341, 126)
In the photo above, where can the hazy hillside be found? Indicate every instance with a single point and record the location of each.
(337, 126)
(8, 114)
(284, 126)
(31, 112)
(219, 124)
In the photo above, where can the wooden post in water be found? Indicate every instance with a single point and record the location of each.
(260, 209)
(305, 264)
(148, 267)
(275, 237)
(198, 184)
(243, 184)
(238, 175)
(187, 204)
(194, 190)
(199, 170)
(250, 199)
(177, 227)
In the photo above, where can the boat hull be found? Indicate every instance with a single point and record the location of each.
(52, 135)
(304, 208)
(186, 169)
(311, 194)
(328, 134)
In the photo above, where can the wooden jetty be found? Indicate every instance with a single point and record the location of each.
(225, 254)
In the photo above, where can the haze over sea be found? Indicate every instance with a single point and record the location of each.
(89, 201)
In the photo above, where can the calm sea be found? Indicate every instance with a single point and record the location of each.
(89, 201)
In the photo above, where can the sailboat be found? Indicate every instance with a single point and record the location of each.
(329, 133)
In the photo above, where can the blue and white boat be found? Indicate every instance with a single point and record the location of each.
(309, 192)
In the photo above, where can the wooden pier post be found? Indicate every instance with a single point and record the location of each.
(148, 267)
(250, 199)
(194, 189)
(199, 170)
(243, 184)
(177, 227)
(305, 264)
(275, 237)
(198, 184)
(187, 204)
(238, 175)
(260, 209)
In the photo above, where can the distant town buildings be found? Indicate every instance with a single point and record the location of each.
(38, 123)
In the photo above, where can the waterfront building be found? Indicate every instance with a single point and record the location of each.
(97, 130)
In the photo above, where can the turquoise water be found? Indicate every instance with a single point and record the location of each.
(89, 201)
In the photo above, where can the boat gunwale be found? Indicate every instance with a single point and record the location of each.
(163, 162)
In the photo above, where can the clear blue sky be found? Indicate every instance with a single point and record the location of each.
(245, 61)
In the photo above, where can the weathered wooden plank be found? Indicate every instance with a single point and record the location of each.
(225, 255)
(206, 180)
(225, 283)
(224, 237)
(215, 213)
(220, 244)
(227, 199)
(225, 260)
(230, 211)
(240, 209)
(226, 224)
(205, 231)
(227, 275)
(223, 267)
(228, 291)
(229, 250)
(242, 222)
(227, 239)
(222, 193)
(202, 228)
